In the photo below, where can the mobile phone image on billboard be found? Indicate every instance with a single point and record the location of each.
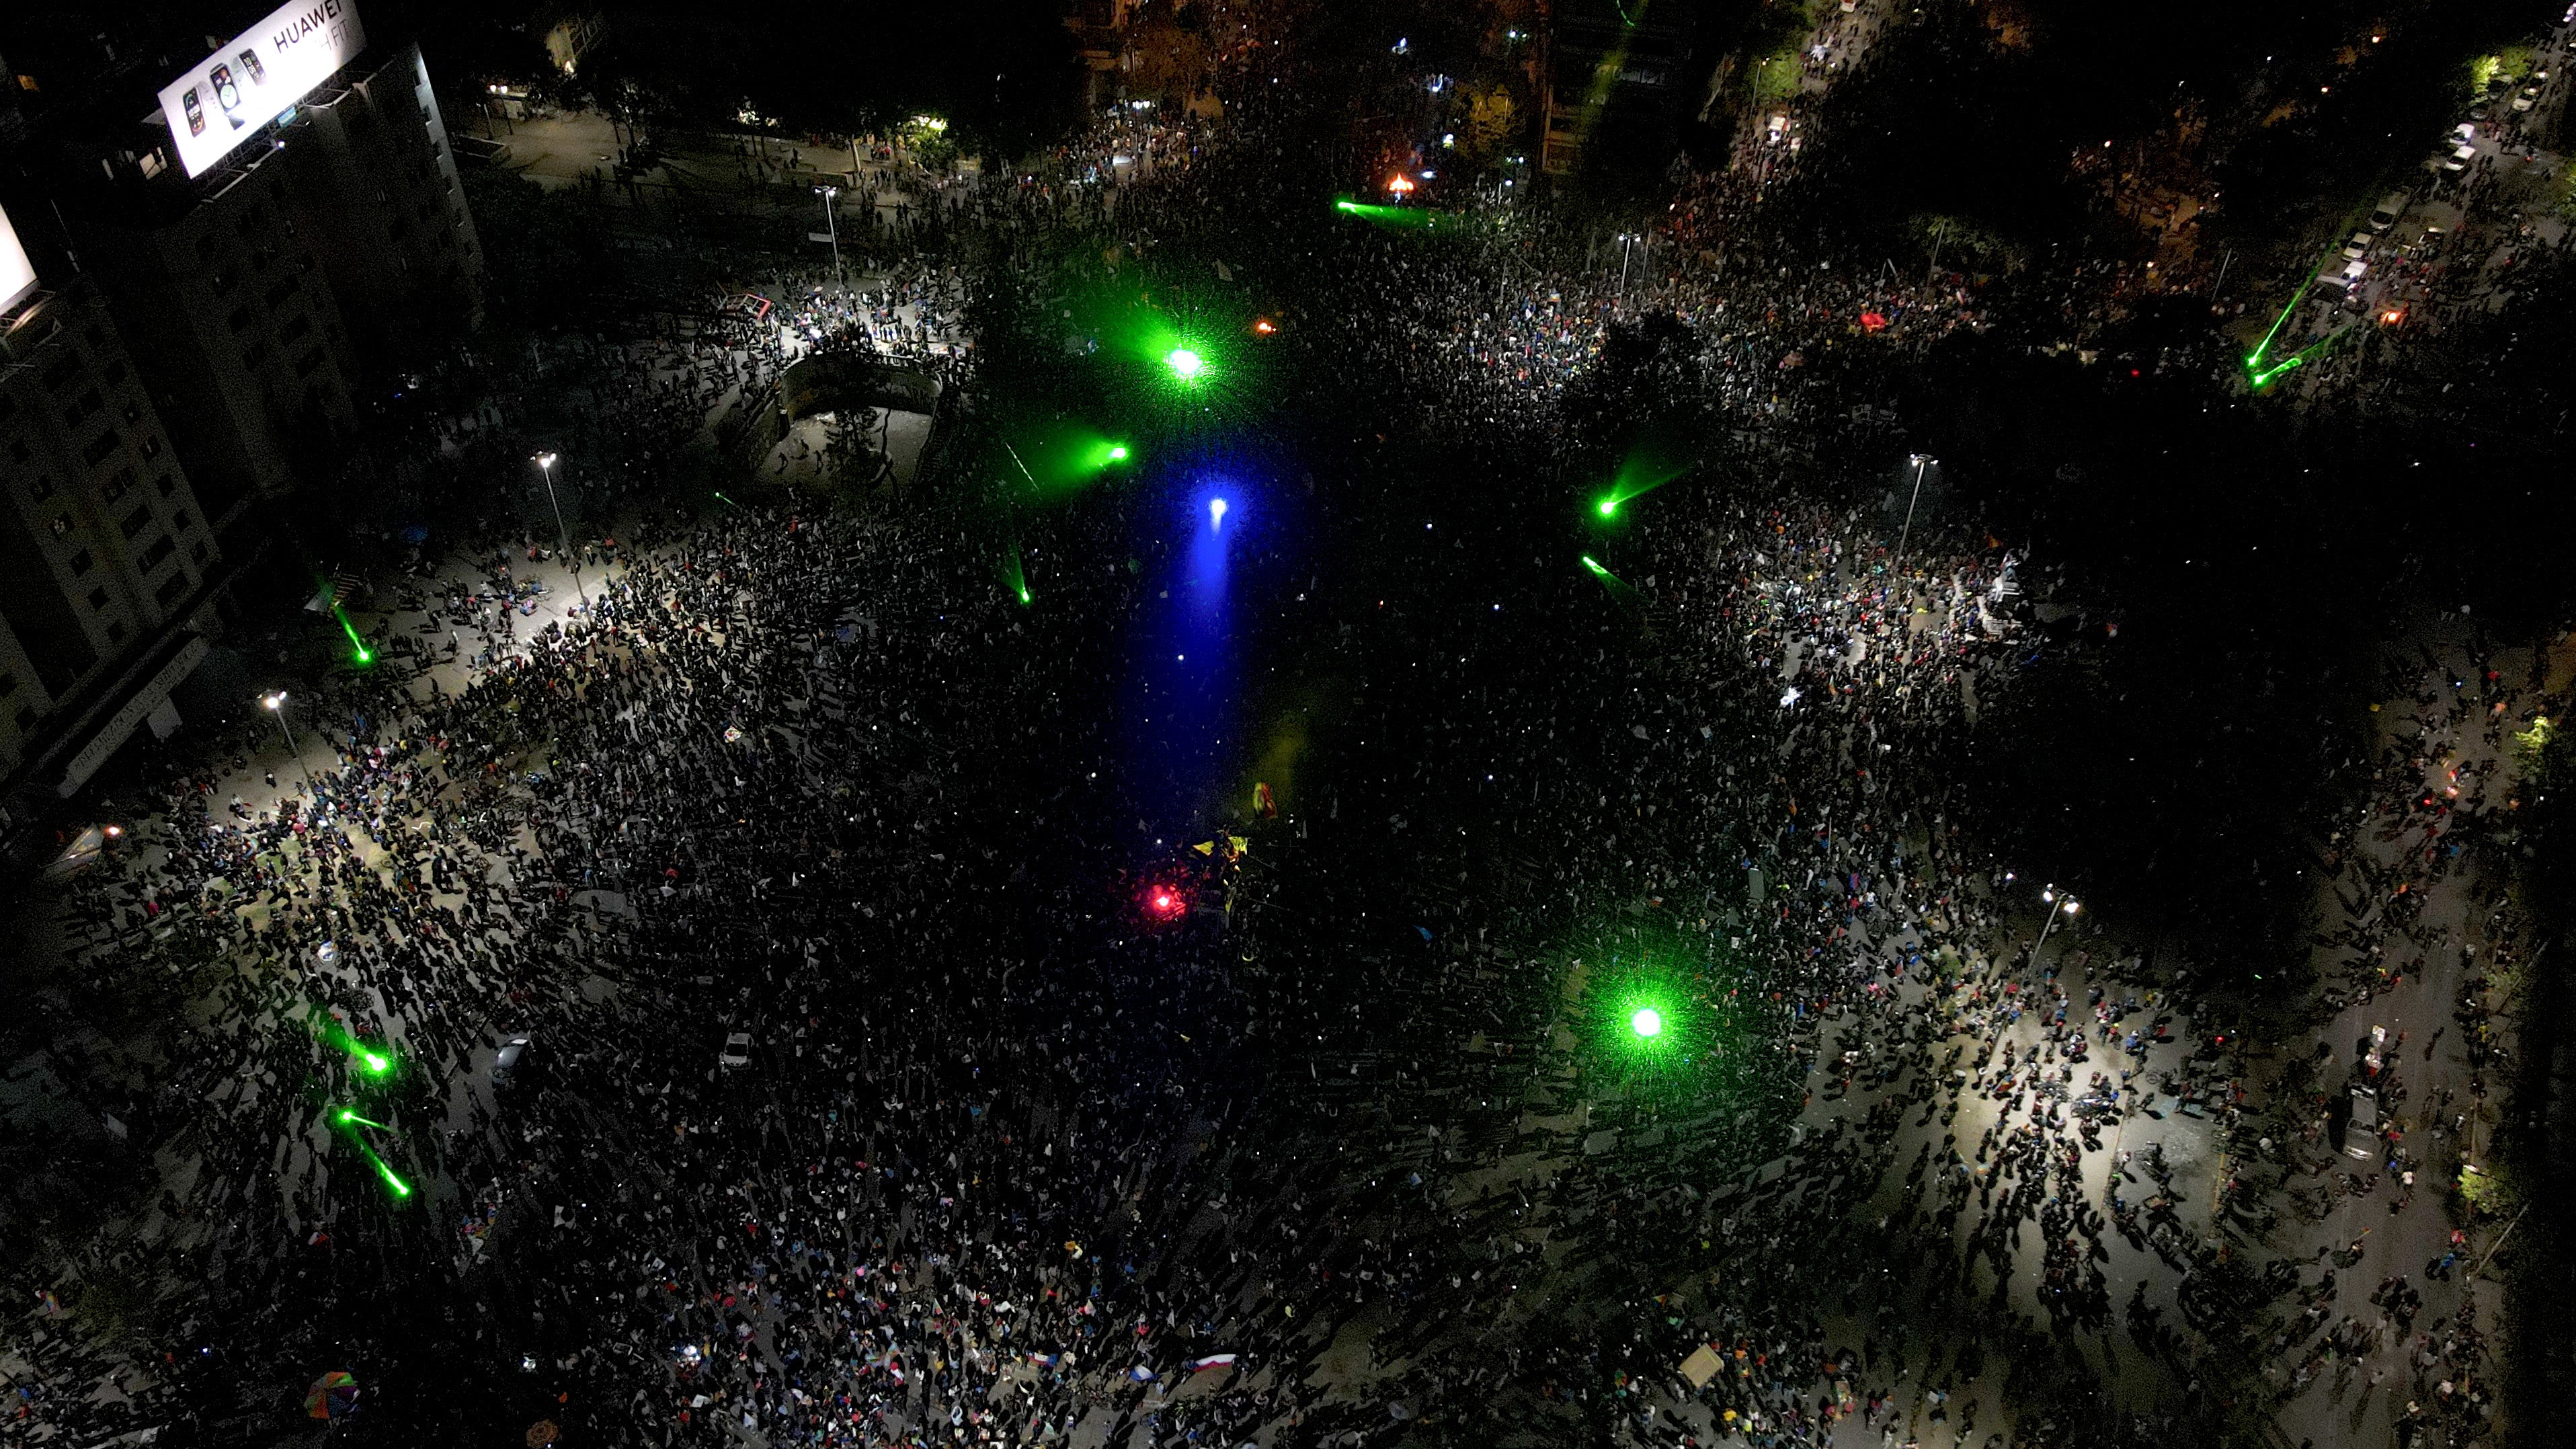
(227, 94)
(250, 63)
(196, 113)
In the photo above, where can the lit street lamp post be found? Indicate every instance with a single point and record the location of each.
(546, 465)
(275, 703)
(2056, 903)
(832, 224)
(1920, 461)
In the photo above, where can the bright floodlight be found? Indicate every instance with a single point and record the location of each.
(1118, 452)
(1216, 513)
(1647, 1022)
(1184, 363)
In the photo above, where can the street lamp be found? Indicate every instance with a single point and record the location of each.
(275, 703)
(832, 224)
(546, 465)
(1626, 240)
(2056, 903)
(1921, 461)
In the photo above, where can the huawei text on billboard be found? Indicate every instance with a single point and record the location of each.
(254, 77)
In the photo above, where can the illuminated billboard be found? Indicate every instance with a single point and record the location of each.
(256, 75)
(17, 277)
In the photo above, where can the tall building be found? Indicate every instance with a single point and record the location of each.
(222, 293)
(217, 283)
(279, 235)
(108, 550)
(371, 178)
(569, 32)
(1618, 74)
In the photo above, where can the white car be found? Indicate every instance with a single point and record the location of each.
(2357, 248)
(737, 1050)
(2460, 157)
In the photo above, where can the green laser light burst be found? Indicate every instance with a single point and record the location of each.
(400, 1188)
(1647, 1022)
(358, 646)
(1184, 363)
(1597, 569)
(1118, 452)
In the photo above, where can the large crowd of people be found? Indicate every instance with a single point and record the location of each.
(1000, 1155)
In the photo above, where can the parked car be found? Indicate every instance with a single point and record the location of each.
(2390, 208)
(506, 1061)
(2361, 1133)
(737, 1050)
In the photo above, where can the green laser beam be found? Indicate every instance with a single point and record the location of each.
(348, 1119)
(1640, 475)
(1408, 218)
(2299, 358)
(361, 652)
(1598, 571)
(1646, 1021)
(1014, 574)
(1185, 363)
(374, 1061)
(2254, 359)
(401, 1189)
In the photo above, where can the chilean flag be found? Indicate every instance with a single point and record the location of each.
(1212, 1361)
